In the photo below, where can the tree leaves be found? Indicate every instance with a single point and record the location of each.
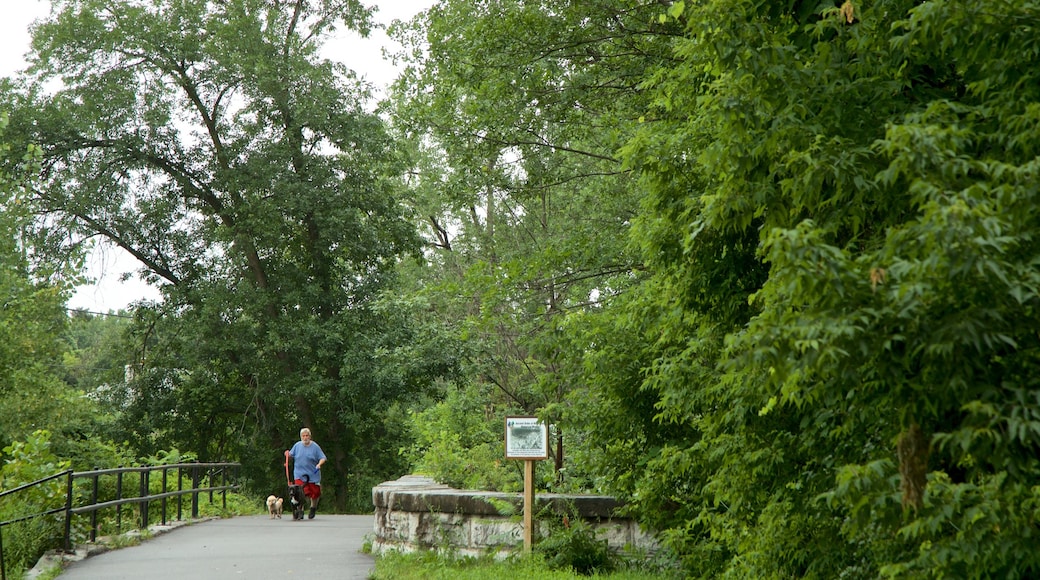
(516, 112)
(854, 184)
(210, 142)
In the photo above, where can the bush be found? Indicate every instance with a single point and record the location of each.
(27, 462)
(571, 543)
(457, 443)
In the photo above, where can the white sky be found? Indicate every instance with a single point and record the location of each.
(107, 265)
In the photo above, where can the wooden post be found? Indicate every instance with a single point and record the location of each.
(527, 438)
(528, 505)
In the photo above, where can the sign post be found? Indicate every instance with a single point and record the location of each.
(528, 505)
(527, 438)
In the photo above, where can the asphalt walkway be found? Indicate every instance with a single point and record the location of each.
(248, 547)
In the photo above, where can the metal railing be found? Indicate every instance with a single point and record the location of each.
(217, 477)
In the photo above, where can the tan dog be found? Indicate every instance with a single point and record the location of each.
(274, 506)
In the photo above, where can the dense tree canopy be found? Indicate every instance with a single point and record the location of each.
(518, 110)
(841, 203)
(771, 269)
(822, 365)
(33, 322)
(211, 142)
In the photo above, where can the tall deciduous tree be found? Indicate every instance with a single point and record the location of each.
(33, 291)
(832, 369)
(213, 143)
(520, 108)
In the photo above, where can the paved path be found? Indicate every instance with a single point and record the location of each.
(248, 547)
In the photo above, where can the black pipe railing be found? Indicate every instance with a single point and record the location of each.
(198, 473)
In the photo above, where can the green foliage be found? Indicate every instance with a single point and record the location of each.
(822, 360)
(96, 351)
(32, 460)
(829, 371)
(770, 268)
(247, 176)
(514, 112)
(234, 504)
(25, 462)
(430, 565)
(35, 459)
(456, 442)
(32, 320)
(571, 543)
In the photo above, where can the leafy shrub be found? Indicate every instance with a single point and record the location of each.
(28, 461)
(458, 443)
(571, 543)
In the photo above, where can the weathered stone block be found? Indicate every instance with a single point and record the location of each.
(415, 512)
(495, 532)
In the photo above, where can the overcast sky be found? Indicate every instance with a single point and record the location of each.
(107, 265)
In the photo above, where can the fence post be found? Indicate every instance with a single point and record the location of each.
(194, 492)
(3, 565)
(164, 470)
(93, 514)
(144, 503)
(68, 513)
(119, 496)
(180, 487)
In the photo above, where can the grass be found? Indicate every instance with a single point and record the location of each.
(430, 566)
(51, 573)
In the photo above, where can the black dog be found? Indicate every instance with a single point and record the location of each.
(297, 500)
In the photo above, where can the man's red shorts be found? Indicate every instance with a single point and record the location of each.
(311, 490)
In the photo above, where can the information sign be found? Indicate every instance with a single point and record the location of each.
(526, 438)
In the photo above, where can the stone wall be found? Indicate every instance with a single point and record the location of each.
(415, 513)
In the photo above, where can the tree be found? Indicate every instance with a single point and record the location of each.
(516, 111)
(33, 292)
(829, 372)
(211, 142)
(96, 354)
